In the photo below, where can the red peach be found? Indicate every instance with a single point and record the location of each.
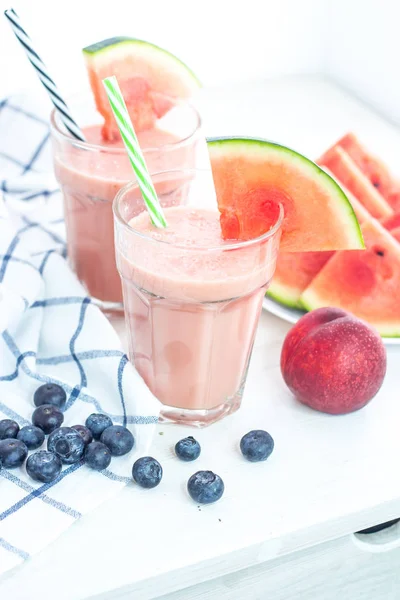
(332, 361)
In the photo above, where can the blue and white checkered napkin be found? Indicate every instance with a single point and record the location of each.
(50, 331)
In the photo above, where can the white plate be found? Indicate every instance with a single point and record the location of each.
(292, 315)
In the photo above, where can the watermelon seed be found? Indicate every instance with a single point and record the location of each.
(379, 252)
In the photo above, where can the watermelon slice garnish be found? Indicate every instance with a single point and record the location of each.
(253, 176)
(151, 79)
(365, 283)
(349, 174)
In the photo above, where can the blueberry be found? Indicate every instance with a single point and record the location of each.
(205, 487)
(147, 472)
(256, 445)
(50, 393)
(8, 429)
(118, 439)
(12, 453)
(85, 433)
(97, 423)
(32, 436)
(188, 449)
(67, 444)
(43, 466)
(48, 418)
(97, 456)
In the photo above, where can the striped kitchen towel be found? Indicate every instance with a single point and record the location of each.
(51, 332)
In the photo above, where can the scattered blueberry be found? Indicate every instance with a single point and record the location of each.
(147, 472)
(205, 487)
(12, 453)
(256, 445)
(47, 417)
(8, 429)
(97, 456)
(97, 423)
(67, 444)
(32, 436)
(50, 393)
(118, 439)
(85, 433)
(188, 449)
(43, 466)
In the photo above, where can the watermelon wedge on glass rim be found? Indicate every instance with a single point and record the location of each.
(253, 177)
(151, 79)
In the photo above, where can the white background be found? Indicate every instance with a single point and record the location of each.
(355, 42)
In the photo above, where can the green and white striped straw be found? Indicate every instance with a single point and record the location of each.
(134, 152)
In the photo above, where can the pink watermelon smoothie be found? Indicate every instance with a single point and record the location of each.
(90, 175)
(192, 305)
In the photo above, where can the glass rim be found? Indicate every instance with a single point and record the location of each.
(229, 246)
(57, 131)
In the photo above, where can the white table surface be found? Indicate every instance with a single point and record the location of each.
(327, 477)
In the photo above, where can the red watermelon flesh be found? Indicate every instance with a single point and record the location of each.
(396, 233)
(362, 213)
(391, 222)
(253, 176)
(152, 80)
(373, 168)
(295, 270)
(366, 283)
(350, 175)
(394, 199)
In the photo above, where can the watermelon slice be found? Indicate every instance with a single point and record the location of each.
(396, 233)
(350, 175)
(361, 212)
(252, 176)
(296, 270)
(151, 80)
(365, 283)
(373, 168)
(392, 222)
(394, 198)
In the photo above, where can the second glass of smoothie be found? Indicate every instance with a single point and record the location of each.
(90, 174)
(192, 300)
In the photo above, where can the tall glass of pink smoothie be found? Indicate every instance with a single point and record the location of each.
(90, 174)
(192, 300)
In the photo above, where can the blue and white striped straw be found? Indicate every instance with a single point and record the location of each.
(134, 152)
(43, 75)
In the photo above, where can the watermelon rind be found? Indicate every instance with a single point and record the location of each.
(257, 146)
(284, 295)
(103, 50)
